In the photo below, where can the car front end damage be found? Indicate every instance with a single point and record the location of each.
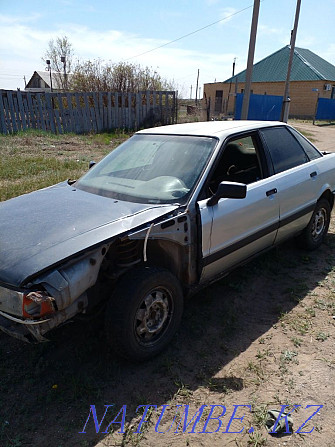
(84, 282)
(50, 299)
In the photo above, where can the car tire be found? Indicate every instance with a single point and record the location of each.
(315, 232)
(144, 313)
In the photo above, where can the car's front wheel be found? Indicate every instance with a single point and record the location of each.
(315, 232)
(144, 313)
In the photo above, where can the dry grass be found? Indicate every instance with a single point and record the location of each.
(35, 159)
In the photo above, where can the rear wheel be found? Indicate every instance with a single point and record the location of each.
(315, 232)
(144, 313)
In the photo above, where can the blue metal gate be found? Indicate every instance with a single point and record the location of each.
(261, 107)
(325, 109)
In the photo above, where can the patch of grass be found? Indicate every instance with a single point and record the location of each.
(257, 370)
(256, 439)
(263, 354)
(35, 159)
(183, 390)
(260, 415)
(296, 341)
(299, 323)
(285, 358)
(310, 311)
(321, 336)
(225, 384)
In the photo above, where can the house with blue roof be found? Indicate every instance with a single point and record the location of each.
(311, 77)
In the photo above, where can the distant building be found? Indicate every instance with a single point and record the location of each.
(41, 82)
(311, 77)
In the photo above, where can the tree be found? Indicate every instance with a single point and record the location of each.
(121, 77)
(60, 54)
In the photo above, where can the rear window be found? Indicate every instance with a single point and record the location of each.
(310, 150)
(285, 151)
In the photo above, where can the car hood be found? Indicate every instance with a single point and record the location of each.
(43, 228)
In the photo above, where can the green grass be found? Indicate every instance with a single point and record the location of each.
(35, 159)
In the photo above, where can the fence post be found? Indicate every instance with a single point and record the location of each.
(3, 126)
(316, 108)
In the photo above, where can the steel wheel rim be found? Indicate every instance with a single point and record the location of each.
(153, 316)
(319, 223)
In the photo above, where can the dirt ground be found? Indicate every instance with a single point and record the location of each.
(323, 135)
(262, 338)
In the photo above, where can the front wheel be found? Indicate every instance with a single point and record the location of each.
(144, 313)
(315, 232)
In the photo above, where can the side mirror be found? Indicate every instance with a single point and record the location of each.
(228, 190)
(91, 164)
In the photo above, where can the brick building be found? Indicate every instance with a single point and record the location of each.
(311, 77)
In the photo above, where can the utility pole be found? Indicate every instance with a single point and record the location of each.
(231, 80)
(252, 43)
(196, 89)
(191, 93)
(286, 101)
(63, 59)
(48, 68)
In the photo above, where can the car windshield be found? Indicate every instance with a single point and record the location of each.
(150, 168)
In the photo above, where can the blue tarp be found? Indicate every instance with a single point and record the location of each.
(261, 107)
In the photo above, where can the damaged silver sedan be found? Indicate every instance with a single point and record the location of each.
(167, 212)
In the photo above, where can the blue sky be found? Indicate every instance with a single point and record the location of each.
(122, 30)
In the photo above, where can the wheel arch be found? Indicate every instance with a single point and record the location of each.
(171, 256)
(328, 195)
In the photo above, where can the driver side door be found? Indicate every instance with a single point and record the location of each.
(235, 229)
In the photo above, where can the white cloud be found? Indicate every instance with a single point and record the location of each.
(22, 55)
(11, 20)
(305, 41)
(227, 14)
(265, 30)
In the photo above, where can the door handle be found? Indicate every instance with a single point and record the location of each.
(313, 174)
(271, 192)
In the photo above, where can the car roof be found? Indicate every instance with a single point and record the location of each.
(219, 129)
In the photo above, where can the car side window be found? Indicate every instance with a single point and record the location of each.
(310, 150)
(285, 151)
(239, 162)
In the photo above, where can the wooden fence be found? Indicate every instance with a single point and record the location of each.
(85, 112)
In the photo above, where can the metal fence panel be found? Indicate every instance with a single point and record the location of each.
(261, 107)
(325, 109)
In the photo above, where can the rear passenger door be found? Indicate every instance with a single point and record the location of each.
(296, 179)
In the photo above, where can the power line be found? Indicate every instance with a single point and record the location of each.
(190, 34)
(10, 75)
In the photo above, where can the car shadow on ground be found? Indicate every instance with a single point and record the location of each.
(47, 389)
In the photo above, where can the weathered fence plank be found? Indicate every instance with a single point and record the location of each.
(21, 110)
(109, 110)
(12, 112)
(7, 117)
(3, 126)
(31, 115)
(84, 112)
(17, 113)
